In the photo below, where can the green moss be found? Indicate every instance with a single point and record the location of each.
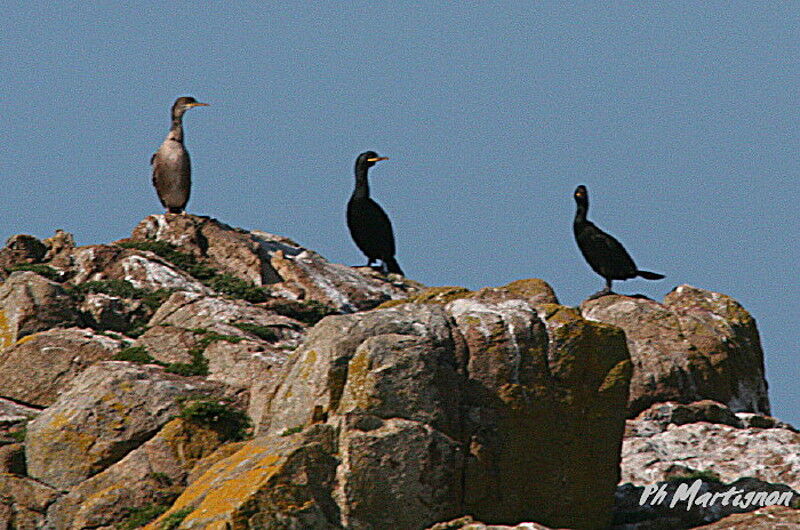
(123, 289)
(230, 423)
(262, 332)
(42, 270)
(237, 288)
(308, 312)
(292, 430)
(226, 284)
(174, 520)
(199, 364)
(162, 478)
(136, 354)
(182, 260)
(139, 517)
(19, 435)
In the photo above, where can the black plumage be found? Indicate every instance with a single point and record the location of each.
(172, 169)
(368, 223)
(605, 255)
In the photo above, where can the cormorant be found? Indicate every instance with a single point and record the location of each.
(368, 223)
(605, 255)
(171, 165)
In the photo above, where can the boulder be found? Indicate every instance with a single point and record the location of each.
(38, 368)
(21, 250)
(695, 345)
(263, 259)
(143, 269)
(490, 387)
(23, 502)
(657, 449)
(271, 482)
(106, 412)
(194, 311)
(153, 474)
(31, 303)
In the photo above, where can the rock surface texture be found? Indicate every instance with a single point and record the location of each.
(695, 345)
(201, 376)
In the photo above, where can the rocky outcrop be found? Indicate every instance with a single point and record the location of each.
(436, 410)
(662, 442)
(290, 271)
(37, 368)
(153, 474)
(109, 410)
(31, 303)
(695, 345)
(375, 403)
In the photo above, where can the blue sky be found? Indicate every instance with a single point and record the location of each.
(680, 119)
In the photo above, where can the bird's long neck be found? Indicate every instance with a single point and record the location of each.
(362, 184)
(580, 213)
(176, 130)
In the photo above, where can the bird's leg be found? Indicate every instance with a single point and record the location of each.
(602, 292)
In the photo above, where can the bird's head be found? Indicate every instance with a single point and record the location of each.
(368, 159)
(581, 195)
(184, 103)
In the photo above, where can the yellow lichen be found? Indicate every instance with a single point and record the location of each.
(6, 334)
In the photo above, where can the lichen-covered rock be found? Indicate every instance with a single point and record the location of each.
(104, 312)
(397, 473)
(143, 269)
(315, 381)
(106, 412)
(541, 379)
(31, 303)
(696, 345)
(37, 368)
(271, 482)
(194, 311)
(657, 448)
(23, 502)
(769, 518)
(11, 412)
(153, 474)
(496, 383)
(265, 259)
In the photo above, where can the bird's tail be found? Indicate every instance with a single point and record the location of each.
(173, 209)
(647, 275)
(393, 266)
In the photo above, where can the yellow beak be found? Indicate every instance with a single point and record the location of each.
(377, 159)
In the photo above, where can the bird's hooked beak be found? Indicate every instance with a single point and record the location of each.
(377, 159)
(197, 104)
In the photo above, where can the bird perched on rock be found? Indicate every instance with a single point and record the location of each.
(605, 255)
(172, 168)
(368, 223)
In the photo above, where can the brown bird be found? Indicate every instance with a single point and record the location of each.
(172, 169)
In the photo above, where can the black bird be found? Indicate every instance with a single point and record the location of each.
(605, 255)
(368, 223)
(172, 170)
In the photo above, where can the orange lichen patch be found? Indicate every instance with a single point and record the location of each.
(24, 339)
(225, 487)
(6, 335)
